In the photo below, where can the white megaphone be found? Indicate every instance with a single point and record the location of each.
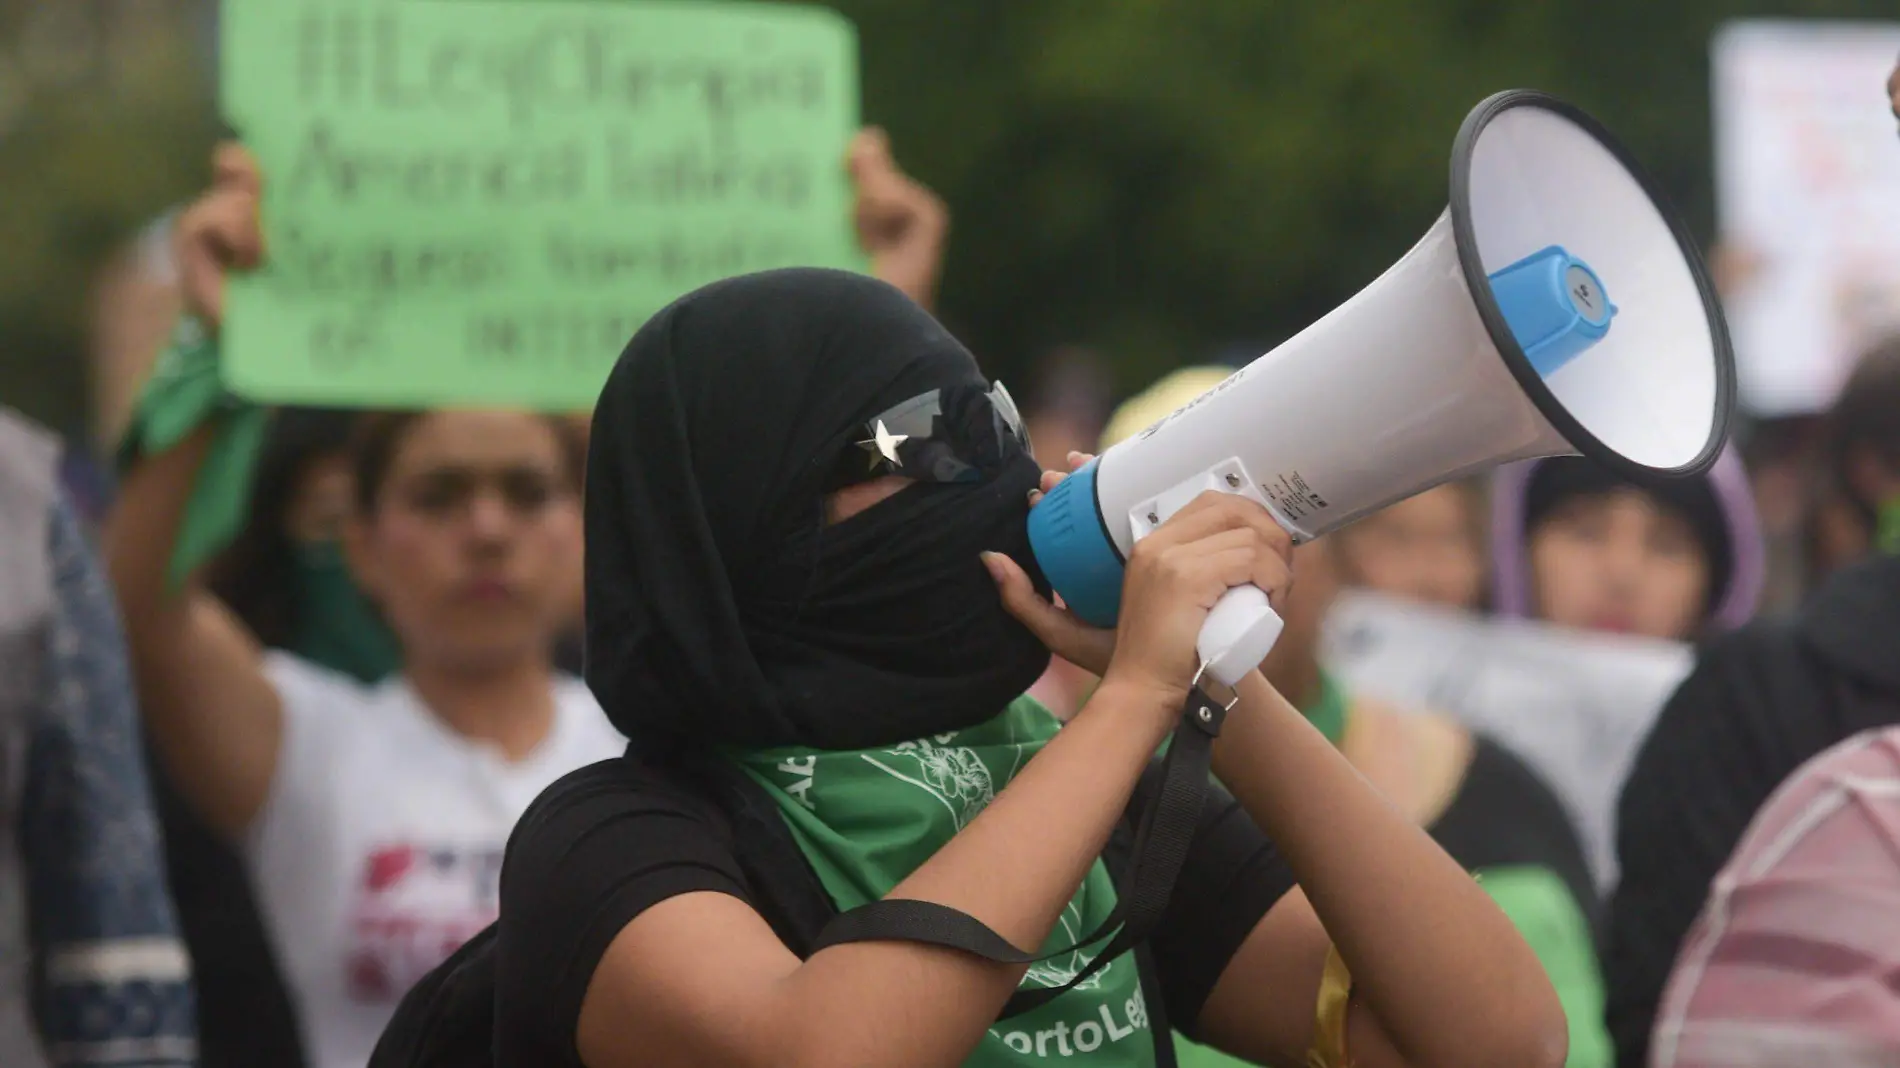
(1555, 307)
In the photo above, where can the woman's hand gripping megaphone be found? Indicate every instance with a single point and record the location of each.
(1215, 545)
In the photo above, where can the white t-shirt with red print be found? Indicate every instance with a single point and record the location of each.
(379, 850)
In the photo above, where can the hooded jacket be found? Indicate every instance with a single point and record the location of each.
(1733, 605)
(1761, 702)
(92, 971)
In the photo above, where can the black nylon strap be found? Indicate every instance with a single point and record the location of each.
(1162, 839)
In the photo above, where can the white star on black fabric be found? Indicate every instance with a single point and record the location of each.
(884, 443)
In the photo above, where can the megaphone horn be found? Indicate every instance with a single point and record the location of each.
(1555, 307)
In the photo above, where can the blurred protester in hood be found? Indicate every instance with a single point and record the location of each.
(1575, 544)
(92, 971)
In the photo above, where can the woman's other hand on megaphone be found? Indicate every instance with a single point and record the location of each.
(220, 232)
(1087, 647)
(1173, 578)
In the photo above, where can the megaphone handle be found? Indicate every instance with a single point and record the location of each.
(1239, 632)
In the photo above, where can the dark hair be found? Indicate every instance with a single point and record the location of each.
(1693, 500)
(255, 576)
(1866, 418)
(378, 437)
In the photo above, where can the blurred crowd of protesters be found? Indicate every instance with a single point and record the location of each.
(349, 643)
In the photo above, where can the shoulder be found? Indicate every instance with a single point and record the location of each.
(1505, 814)
(612, 821)
(328, 709)
(1764, 659)
(1743, 684)
(1811, 877)
(1754, 705)
(300, 682)
(1808, 802)
(628, 782)
(598, 848)
(1500, 773)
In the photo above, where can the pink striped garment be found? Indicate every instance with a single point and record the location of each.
(1795, 960)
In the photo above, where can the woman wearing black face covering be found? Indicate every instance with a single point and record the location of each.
(796, 482)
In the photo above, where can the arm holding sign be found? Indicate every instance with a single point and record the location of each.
(900, 224)
(212, 714)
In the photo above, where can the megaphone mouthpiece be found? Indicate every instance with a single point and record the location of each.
(1555, 306)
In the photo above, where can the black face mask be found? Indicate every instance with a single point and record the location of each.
(887, 627)
(720, 609)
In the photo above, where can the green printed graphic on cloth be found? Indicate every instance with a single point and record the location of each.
(477, 202)
(866, 819)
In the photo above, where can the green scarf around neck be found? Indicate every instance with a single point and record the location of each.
(336, 625)
(865, 819)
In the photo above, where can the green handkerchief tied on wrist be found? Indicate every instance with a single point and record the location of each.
(184, 393)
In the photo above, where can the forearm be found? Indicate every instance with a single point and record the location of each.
(143, 530)
(210, 712)
(1015, 867)
(1433, 959)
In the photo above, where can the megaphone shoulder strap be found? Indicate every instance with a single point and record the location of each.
(1163, 836)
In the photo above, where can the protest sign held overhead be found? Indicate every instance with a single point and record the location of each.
(479, 201)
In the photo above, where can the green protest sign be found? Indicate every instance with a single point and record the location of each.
(479, 201)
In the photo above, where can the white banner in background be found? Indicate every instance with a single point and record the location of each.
(1807, 181)
(1574, 705)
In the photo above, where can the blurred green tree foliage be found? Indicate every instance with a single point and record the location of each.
(104, 122)
(1165, 178)
(1161, 178)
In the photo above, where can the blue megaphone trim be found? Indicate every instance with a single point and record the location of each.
(1556, 308)
(1072, 546)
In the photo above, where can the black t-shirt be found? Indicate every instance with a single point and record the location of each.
(609, 841)
(1504, 815)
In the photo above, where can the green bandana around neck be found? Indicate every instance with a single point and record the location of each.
(865, 819)
(1327, 710)
(336, 625)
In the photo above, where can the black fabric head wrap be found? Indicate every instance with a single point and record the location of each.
(721, 610)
